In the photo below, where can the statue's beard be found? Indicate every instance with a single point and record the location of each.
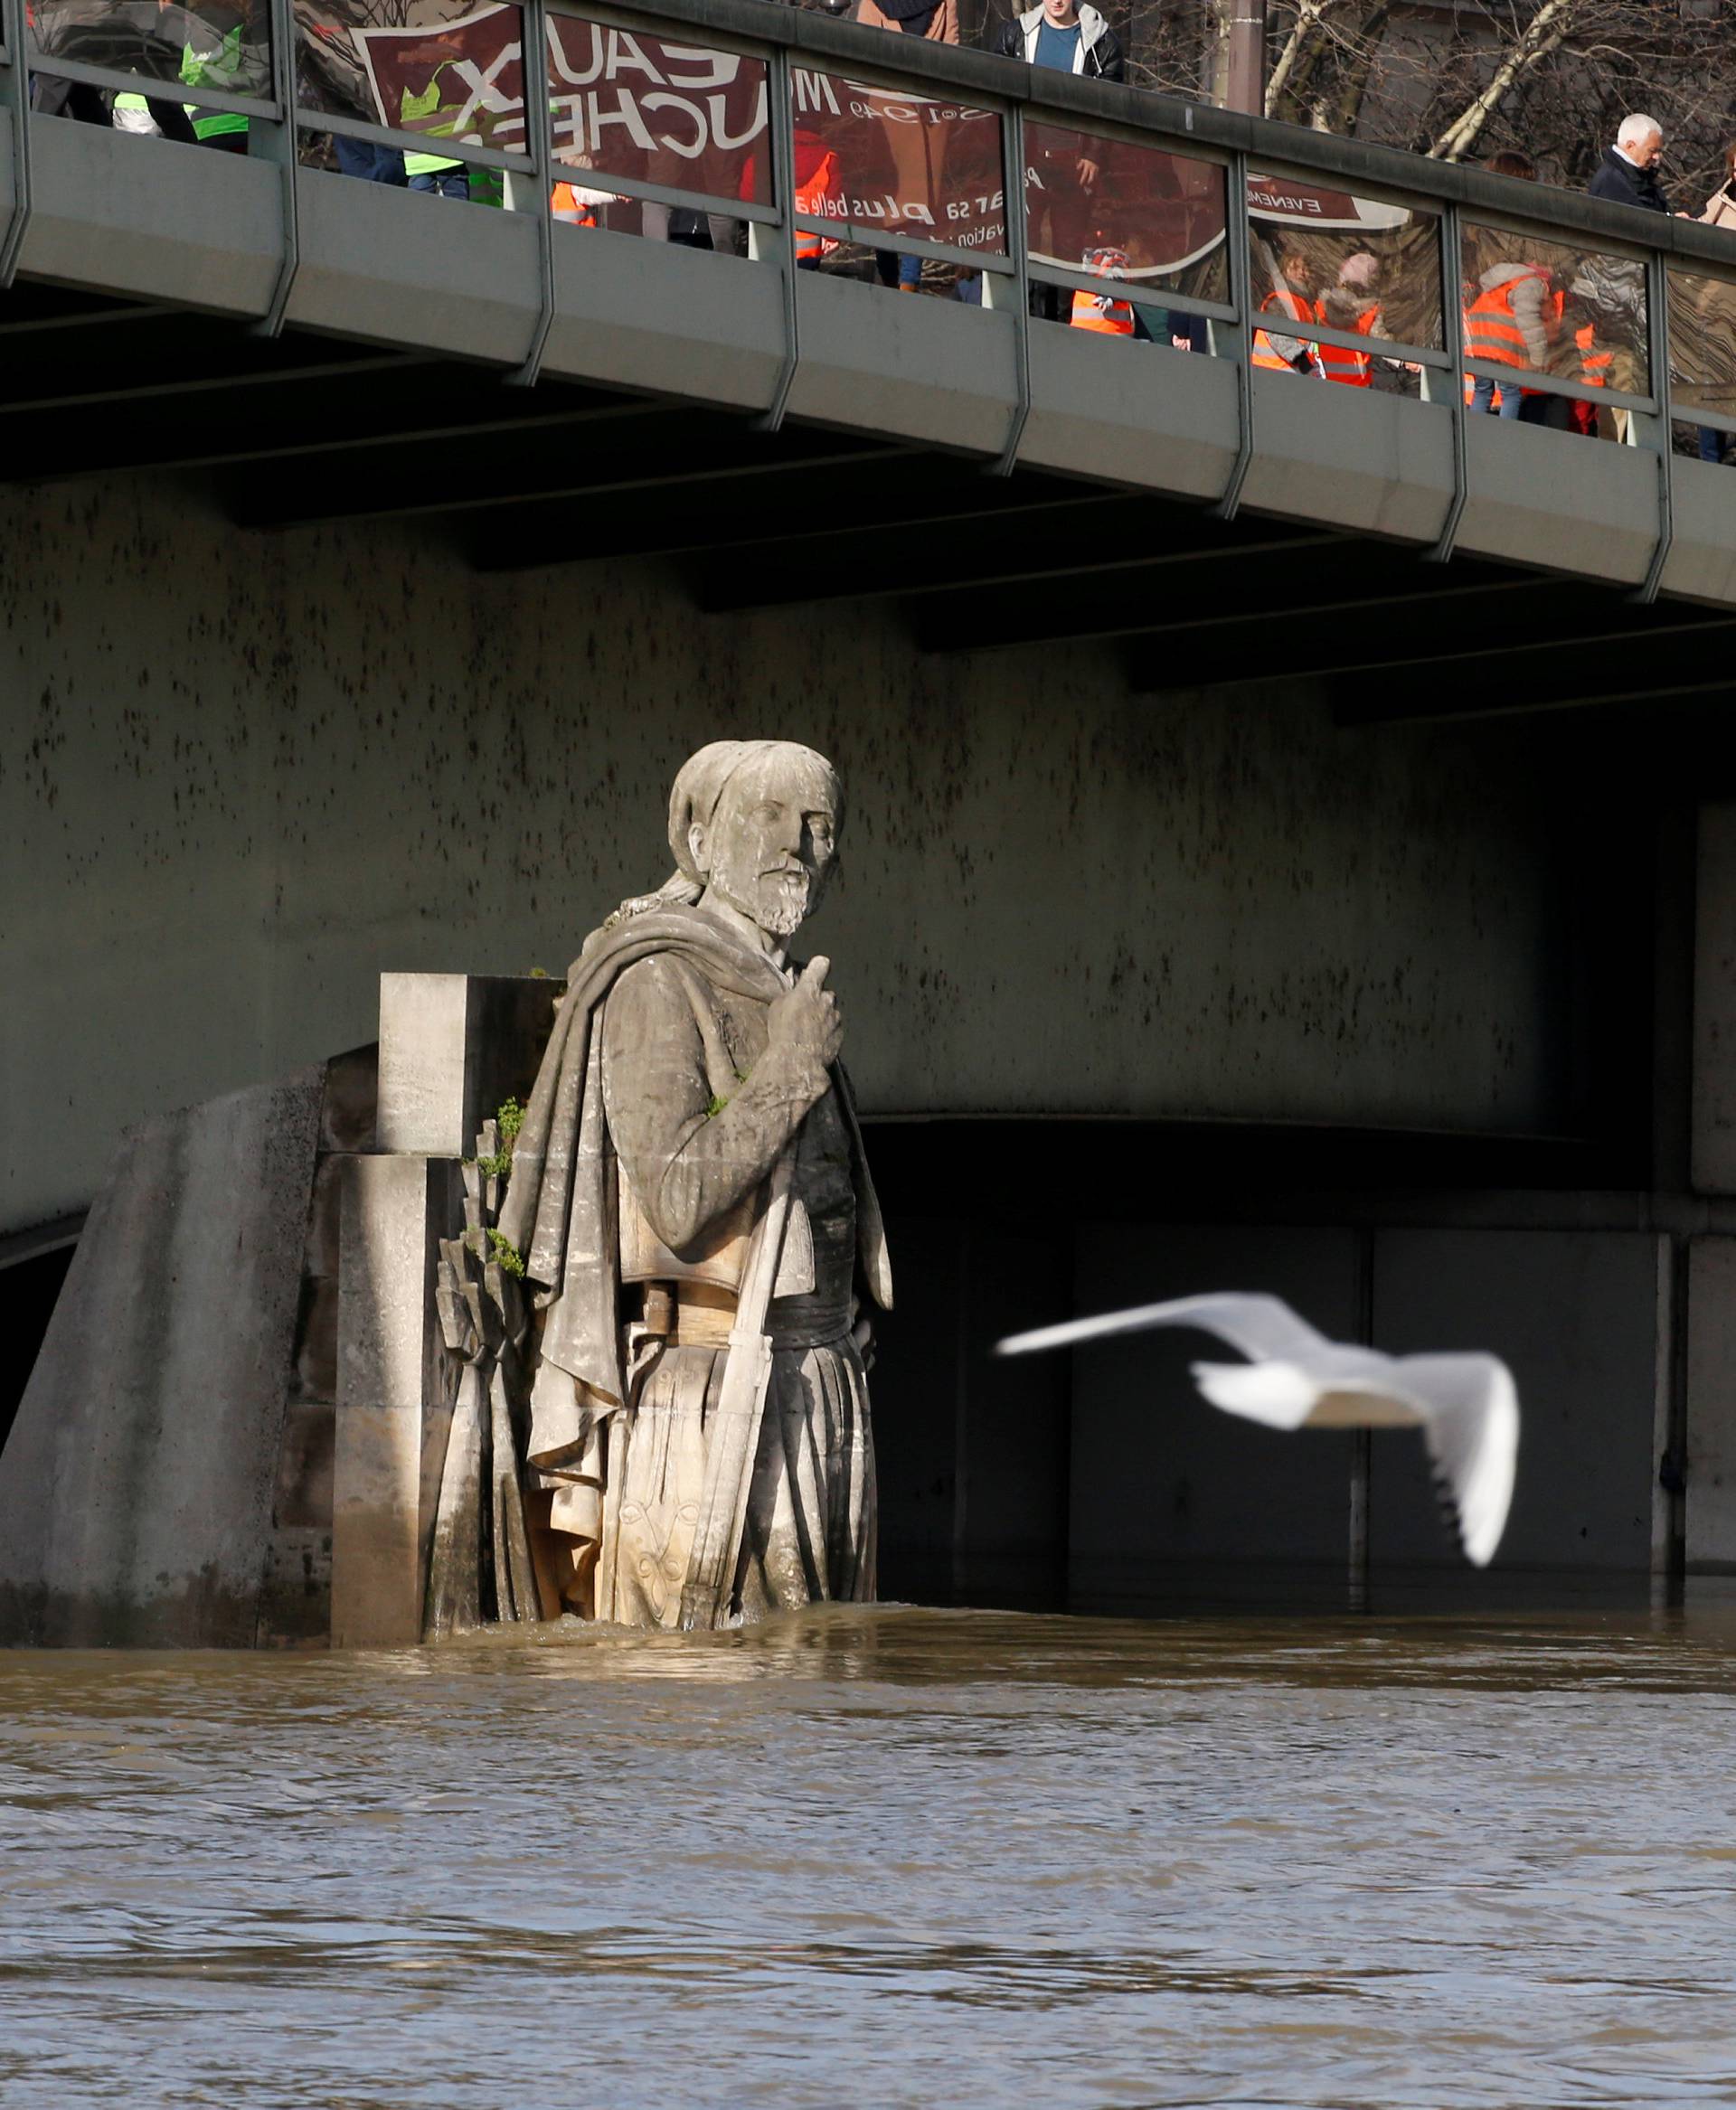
(780, 902)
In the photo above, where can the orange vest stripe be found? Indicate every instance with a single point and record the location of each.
(1287, 302)
(1594, 366)
(1354, 369)
(1097, 311)
(1492, 330)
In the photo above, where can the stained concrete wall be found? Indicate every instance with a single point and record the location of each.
(1171, 1499)
(240, 775)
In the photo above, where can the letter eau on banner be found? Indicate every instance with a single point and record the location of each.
(630, 104)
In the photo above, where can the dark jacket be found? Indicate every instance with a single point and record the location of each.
(1099, 53)
(1624, 185)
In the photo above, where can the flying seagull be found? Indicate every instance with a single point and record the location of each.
(1294, 1378)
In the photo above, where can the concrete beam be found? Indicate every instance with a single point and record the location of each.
(1511, 616)
(840, 498)
(1615, 666)
(142, 352)
(649, 444)
(1090, 533)
(382, 413)
(1271, 571)
(30, 304)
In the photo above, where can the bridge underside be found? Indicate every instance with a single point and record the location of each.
(128, 345)
(308, 428)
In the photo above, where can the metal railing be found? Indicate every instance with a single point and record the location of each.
(1234, 220)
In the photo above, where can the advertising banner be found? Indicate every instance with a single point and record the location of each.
(1278, 199)
(462, 79)
(627, 104)
(920, 166)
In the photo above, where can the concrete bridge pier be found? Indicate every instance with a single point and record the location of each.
(1702, 1459)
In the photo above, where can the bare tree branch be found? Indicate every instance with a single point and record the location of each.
(1544, 35)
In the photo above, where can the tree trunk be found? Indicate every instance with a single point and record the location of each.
(1545, 32)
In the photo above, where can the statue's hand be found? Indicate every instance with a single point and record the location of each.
(807, 1017)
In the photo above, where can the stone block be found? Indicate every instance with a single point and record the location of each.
(452, 1047)
(423, 1101)
(304, 1466)
(394, 1211)
(376, 1528)
(136, 1490)
(393, 1394)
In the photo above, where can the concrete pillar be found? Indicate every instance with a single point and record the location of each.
(1708, 1440)
(394, 1395)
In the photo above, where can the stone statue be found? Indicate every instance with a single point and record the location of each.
(690, 1199)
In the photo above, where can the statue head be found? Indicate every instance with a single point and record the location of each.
(756, 824)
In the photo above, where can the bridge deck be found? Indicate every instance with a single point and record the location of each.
(145, 268)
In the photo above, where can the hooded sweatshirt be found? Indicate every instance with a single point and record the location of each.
(1527, 298)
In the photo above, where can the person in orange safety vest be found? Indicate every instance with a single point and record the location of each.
(1594, 371)
(1350, 305)
(566, 205)
(1280, 353)
(1515, 321)
(817, 179)
(1102, 311)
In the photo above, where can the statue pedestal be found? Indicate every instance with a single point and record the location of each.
(452, 1047)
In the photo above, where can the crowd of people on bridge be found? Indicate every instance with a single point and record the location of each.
(1524, 313)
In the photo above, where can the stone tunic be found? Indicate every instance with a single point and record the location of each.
(698, 1109)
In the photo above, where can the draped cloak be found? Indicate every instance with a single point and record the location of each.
(561, 1209)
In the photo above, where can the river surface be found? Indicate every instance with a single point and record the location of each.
(883, 1857)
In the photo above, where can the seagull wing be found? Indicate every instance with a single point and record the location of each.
(1262, 1328)
(1470, 1412)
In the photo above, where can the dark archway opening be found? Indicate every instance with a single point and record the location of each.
(29, 1290)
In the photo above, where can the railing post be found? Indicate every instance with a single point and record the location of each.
(1238, 252)
(1657, 336)
(538, 140)
(14, 21)
(780, 128)
(1452, 337)
(282, 144)
(1013, 167)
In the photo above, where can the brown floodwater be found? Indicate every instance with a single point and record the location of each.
(883, 1857)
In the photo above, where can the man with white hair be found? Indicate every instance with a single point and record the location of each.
(1629, 176)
